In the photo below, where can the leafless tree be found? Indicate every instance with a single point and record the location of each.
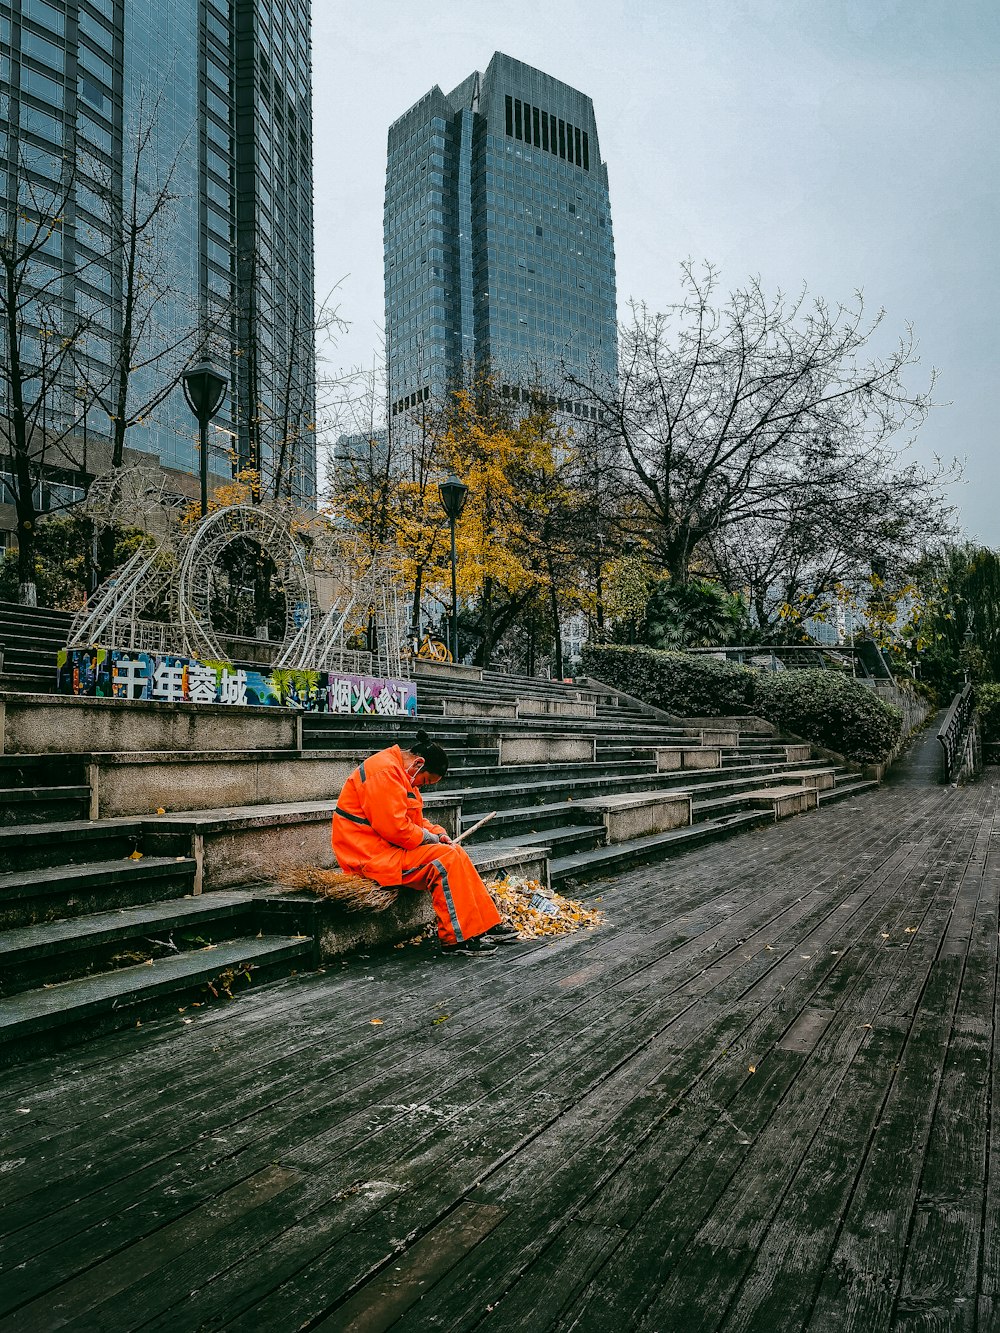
(724, 410)
(46, 336)
(828, 533)
(280, 397)
(148, 347)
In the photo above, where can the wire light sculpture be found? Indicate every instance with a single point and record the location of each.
(160, 599)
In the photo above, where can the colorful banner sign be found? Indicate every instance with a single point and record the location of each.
(165, 678)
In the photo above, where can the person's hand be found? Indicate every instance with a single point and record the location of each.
(443, 837)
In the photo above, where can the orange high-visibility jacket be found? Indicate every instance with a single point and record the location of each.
(379, 817)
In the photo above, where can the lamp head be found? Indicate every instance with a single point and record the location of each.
(453, 496)
(204, 389)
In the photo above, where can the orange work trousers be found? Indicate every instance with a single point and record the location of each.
(462, 904)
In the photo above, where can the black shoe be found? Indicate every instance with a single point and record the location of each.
(479, 944)
(501, 935)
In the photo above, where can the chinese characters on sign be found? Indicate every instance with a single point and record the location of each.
(371, 694)
(166, 678)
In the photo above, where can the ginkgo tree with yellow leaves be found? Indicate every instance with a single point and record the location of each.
(521, 535)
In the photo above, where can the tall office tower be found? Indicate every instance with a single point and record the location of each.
(223, 89)
(498, 244)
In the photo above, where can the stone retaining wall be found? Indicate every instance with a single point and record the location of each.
(66, 724)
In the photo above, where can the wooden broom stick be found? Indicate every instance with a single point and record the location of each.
(469, 831)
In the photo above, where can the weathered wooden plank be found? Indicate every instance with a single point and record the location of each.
(790, 1258)
(943, 1255)
(867, 1262)
(466, 1281)
(377, 1305)
(701, 1298)
(240, 1289)
(100, 1284)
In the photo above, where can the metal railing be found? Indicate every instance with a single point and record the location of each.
(954, 730)
(863, 660)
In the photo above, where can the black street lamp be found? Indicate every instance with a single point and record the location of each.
(453, 497)
(204, 389)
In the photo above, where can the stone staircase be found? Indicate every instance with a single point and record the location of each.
(556, 805)
(106, 920)
(30, 639)
(98, 922)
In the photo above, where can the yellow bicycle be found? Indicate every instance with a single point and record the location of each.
(434, 650)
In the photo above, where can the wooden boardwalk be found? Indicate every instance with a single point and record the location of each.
(763, 1096)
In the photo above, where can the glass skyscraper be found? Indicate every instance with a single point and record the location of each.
(226, 85)
(498, 242)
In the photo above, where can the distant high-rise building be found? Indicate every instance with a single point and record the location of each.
(498, 243)
(226, 85)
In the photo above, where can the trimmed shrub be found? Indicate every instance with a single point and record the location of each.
(830, 710)
(690, 685)
(988, 704)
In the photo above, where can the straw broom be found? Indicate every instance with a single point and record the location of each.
(355, 892)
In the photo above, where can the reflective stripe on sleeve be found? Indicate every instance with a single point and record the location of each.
(355, 819)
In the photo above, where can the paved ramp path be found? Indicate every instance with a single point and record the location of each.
(762, 1097)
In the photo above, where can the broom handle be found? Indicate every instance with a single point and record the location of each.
(469, 831)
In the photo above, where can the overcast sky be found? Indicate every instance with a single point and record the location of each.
(839, 143)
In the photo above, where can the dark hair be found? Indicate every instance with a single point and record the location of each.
(434, 757)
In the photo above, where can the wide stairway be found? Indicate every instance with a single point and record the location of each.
(98, 922)
(106, 919)
(737, 776)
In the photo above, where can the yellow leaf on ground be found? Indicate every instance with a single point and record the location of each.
(135, 856)
(376, 1021)
(752, 1069)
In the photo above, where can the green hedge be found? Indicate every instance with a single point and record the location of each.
(691, 685)
(825, 707)
(988, 704)
(830, 710)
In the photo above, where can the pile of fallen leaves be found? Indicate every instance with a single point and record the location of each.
(513, 899)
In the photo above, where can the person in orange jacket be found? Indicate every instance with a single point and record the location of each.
(379, 831)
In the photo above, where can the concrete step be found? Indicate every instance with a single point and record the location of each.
(42, 770)
(30, 897)
(55, 951)
(28, 682)
(373, 728)
(561, 840)
(521, 774)
(513, 823)
(34, 805)
(67, 842)
(329, 731)
(850, 785)
(16, 614)
(621, 856)
(30, 636)
(702, 783)
(59, 1015)
(31, 643)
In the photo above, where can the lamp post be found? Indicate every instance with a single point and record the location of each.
(204, 389)
(453, 497)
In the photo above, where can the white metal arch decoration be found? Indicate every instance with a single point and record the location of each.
(270, 531)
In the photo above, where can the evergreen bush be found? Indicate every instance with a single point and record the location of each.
(988, 704)
(688, 684)
(831, 710)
